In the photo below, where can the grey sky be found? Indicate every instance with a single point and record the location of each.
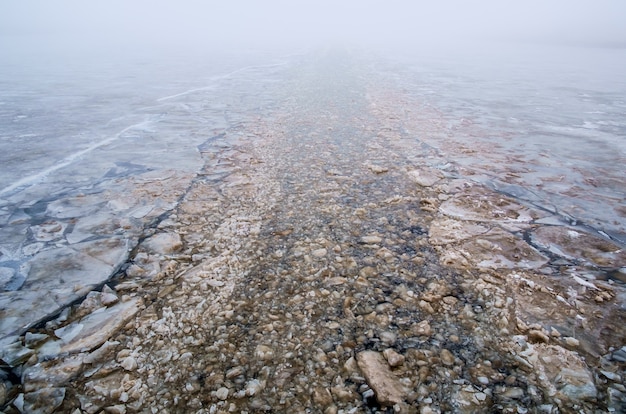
(140, 23)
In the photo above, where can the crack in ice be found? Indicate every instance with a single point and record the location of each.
(38, 177)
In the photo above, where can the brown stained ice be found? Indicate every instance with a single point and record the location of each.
(388, 389)
(333, 268)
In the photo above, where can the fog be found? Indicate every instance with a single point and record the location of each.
(145, 26)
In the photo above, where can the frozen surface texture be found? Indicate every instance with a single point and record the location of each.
(333, 232)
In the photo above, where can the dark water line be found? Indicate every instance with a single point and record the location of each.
(566, 219)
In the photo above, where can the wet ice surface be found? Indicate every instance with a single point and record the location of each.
(316, 236)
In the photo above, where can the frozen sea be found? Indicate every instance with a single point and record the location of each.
(543, 123)
(55, 110)
(95, 151)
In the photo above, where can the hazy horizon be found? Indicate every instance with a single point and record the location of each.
(146, 26)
